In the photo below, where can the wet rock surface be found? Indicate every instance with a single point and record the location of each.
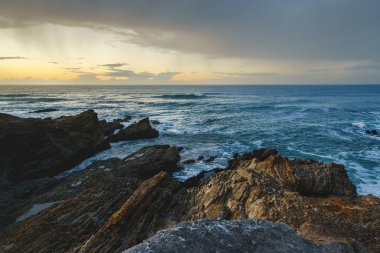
(116, 204)
(373, 132)
(140, 130)
(232, 236)
(32, 148)
(80, 203)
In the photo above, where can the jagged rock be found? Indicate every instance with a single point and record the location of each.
(139, 130)
(110, 127)
(200, 158)
(109, 208)
(126, 118)
(32, 148)
(155, 122)
(83, 202)
(45, 110)
(250, 189)
(372, 132)
(233, 236)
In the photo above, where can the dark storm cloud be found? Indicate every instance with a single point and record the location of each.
(291, 29)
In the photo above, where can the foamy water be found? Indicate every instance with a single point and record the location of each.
(325, 123)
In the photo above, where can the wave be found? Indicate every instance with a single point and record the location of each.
(181, 96)
(21, 95)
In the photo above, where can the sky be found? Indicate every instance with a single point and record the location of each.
(189, 42)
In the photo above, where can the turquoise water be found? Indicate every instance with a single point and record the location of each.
(325, 123)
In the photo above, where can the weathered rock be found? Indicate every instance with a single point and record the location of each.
(32, 148)
(117, 210)
(233, 236)
(82, 203)
(200, 158)
(45, 110)
(155, 122)
(139, 130)
(250, 189)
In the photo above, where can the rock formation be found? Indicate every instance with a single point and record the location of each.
(373, 132)
(232, 236)
(116, 204)
(45, 110)
(139, 130)
(32, 148)
(82, 203)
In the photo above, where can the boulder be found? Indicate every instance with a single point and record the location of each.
(32, 148)
(140, 130)
(233, 236)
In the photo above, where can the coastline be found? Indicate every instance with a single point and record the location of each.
(118, 203)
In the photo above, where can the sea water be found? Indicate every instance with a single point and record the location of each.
(325, 123)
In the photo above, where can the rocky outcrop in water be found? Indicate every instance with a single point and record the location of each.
(32, 148)
(45, 110)
(232, 236)
(116, 204)
(373, 132)
(140, 130)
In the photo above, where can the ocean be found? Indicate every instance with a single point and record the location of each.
(325, 123)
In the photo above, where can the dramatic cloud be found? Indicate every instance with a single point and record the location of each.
(197, 41)
(325, 29)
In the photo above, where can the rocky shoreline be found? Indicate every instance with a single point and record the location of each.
(116, 204)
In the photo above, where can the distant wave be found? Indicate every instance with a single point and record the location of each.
(21, 95)
(181, 96)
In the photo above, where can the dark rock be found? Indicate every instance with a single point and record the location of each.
(110, 127)
(210, 159)
(200, 158)
(233, 236)
(189, 161)
(373, 132)
(85, 201)
(45, 110)
(155, 122)
(139, 130)
(32, 148)
(127, 118)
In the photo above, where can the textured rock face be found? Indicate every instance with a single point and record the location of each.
(33, 148)
(139, 130)
(233, 236)
(258, 185)
(109, 207)
(82, 202)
